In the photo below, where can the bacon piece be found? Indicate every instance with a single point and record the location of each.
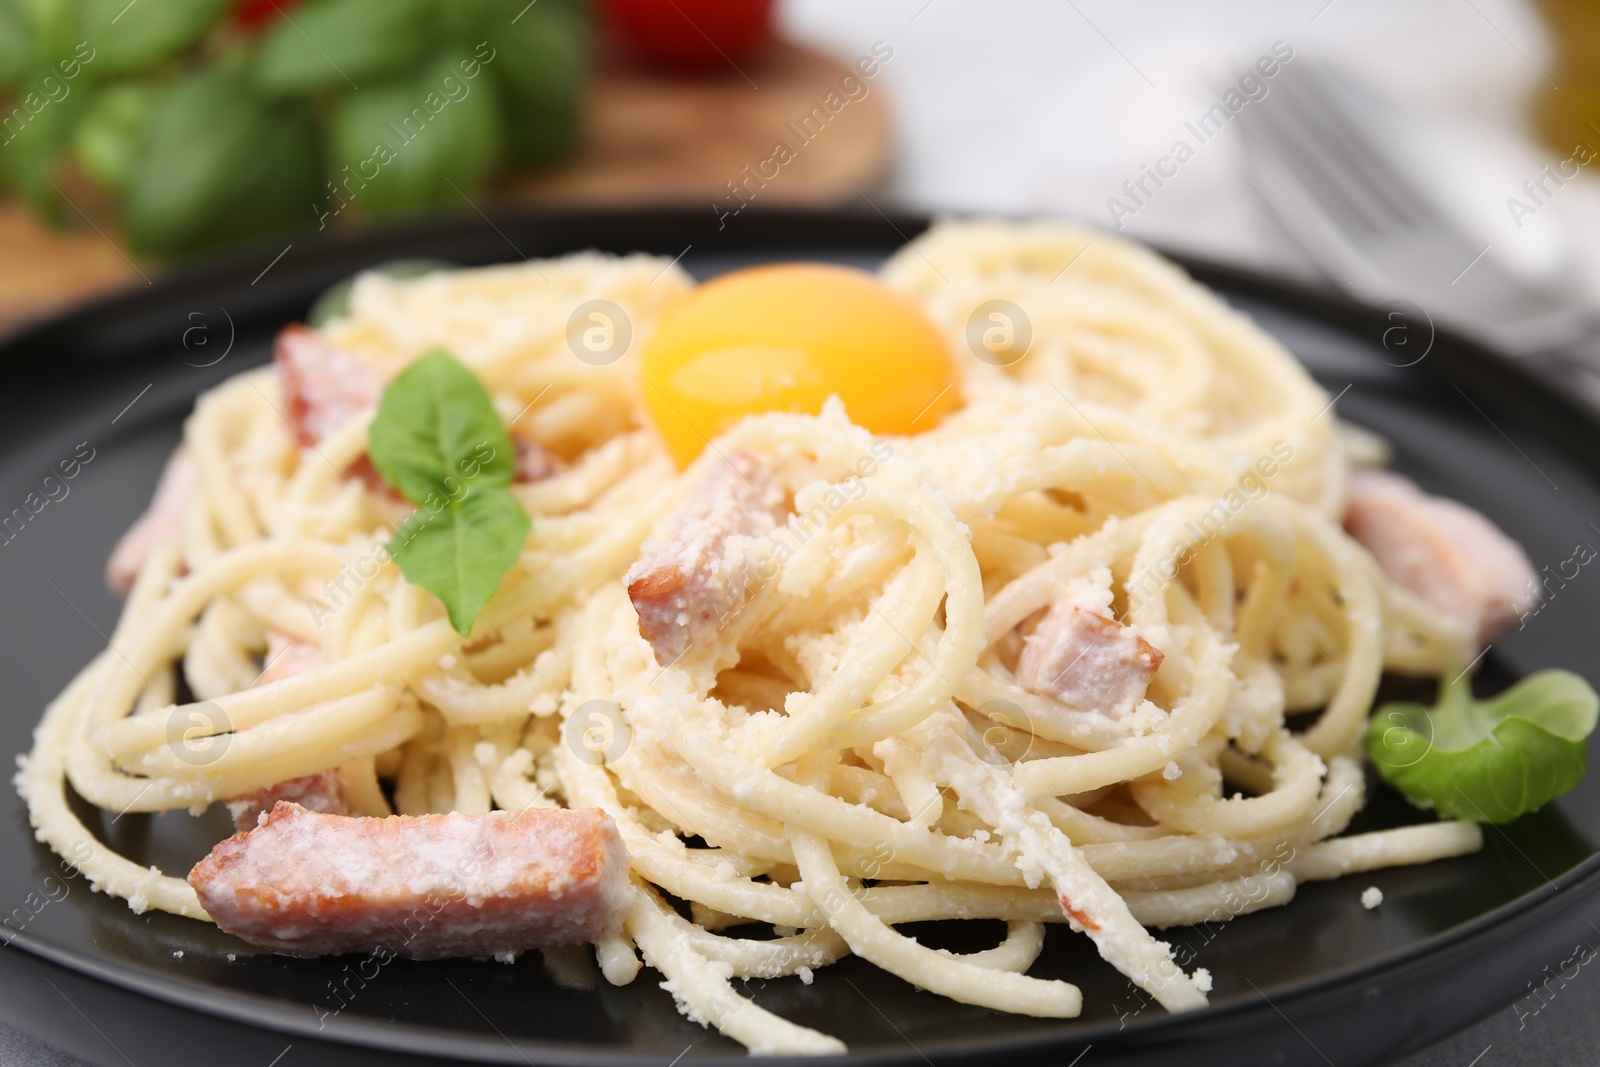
(424, 887)
(163, 518)
(324, 791)
(364, 472)
(288, 657)
(535, 463)
(1445, 552)
(323, 386)
(1084, 659)
(685, 587)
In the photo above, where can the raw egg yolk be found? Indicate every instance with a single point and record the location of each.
(786, 337)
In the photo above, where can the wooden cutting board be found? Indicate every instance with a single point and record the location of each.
(650, 138)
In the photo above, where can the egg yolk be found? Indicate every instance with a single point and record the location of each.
(786, 337)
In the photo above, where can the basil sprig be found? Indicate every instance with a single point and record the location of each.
(1487, 760)
(439, 442)
(204, 129)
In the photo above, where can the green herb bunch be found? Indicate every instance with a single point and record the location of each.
(205, 122)
(1487, 760)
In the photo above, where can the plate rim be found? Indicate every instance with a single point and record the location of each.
(1480, 367)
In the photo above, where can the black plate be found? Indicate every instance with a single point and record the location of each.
(1321, 979)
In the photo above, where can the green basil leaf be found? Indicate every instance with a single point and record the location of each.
(135, 37)
(413, 144)
(1559, 701)
(461, 553)
(47, 31)
(540, 63)
(19, 49)
(438, 439)
(1491, 760)
(34, 134)
(112, 132)
(463, 20)
(343, 45)
(335, 300)
(221, 165)
(436, 429)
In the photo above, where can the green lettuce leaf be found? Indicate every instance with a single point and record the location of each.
(1490, 760)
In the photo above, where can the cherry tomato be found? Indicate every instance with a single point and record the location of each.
(693, 34)
(252, 16)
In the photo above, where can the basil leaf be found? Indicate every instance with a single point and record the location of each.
(436, 428)
(112, 132)
(1491, 760)
(220, 165)
(343, 45)
(135, 37)
(18, 48)
(460, 554)
(1560, 702)
(412, 144)
(31, 152)
(335, 299)
(540, 62)
(45, 33)
(438, 439)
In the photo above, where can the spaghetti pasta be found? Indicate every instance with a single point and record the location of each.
(857, 749)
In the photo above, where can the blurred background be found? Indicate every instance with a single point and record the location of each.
(136, 133)
(1433, 151)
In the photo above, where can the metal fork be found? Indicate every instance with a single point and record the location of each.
(1316, 161)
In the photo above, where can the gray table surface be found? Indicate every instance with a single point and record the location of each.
(1561, 1028)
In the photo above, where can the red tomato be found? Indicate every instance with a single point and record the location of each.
(693, 34)
(252, 15)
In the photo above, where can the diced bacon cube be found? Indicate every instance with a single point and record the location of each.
(323, 386)
(1086, 660)
(324, 791)
(180, 479)
(685, 587)
(1444, 552)
(534, 462)
(424, 887)
(287, 657)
